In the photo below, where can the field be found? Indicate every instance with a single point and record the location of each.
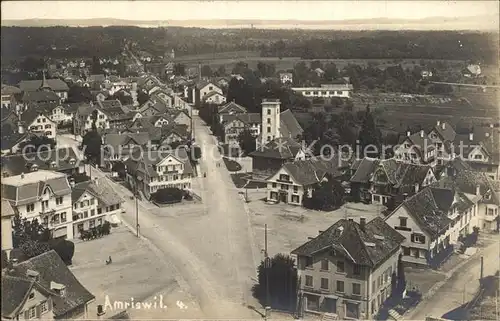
(229, 59)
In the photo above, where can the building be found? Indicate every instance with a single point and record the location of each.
(161, 169)
(432, 221)
(38, 122)
(326, 91)
(202, 89)
(214, 97)
(480, 147)
(472, 70)
(63, 160)
(57, 86)
(382, 181)
(296, 179)
(286, 78)
(42, 195)
(94, 202)
(230, 108)
(7, 215)
(43, 287)
(234, 124)
(8, 96)
(347, 270)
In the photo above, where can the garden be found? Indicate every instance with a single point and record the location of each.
(232, 166)
(170, 195)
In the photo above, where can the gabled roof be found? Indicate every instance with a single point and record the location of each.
(29, 116)
(212, 93)
(246, 118)
(10, 90)
(109, 104)
(100, 189)
(39, 96)
(34, 85)
(17, 164)
(364, 170)
(7, 209)
(289, 126)
(51, 268)
(279, 148)
(370, 246)
(97, 78)
(15, 292)
(230, 106)
(155, 157)
(310, 171)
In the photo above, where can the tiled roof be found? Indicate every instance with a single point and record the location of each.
(31, 114)
(100, 189)
(369, 246)
(279, 148)
(231, 105)
(364, 170)
(52, 269)
(39, 96)
(7, 209)
(155, 157)
(311, 171)
(15, 292)
(10, 90)
(10, 140)
(97, 78)
(109, 104)
(17, 164)
(34, 85)
(26, 190)
(212, 93)
(289, 126)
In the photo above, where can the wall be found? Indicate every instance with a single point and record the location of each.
(36, 301)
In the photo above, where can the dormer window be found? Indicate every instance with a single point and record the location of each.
(58, 288)
(33, 275)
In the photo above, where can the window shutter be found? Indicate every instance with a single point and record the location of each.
(38, 310)
(413, 237)
(423, 239)
(27, 314)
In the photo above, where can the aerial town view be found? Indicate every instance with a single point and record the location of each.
(275, 160)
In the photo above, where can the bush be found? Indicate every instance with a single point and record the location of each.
(231, 165)
(168, 195)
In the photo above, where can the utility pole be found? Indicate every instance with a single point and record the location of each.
(267, 266)
(136, 209)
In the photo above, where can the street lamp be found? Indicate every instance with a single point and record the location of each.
(136, 193)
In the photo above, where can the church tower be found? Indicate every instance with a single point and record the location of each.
(45, 85)
(270, 127)
(172, 54)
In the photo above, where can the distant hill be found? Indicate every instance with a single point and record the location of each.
(433, 23)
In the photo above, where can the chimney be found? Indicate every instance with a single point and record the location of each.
(438, 122)
(422, 133)
(350, 219)
(22, 175)
(471, 136)
(417, 187)
(443, 125)
(408, 132)
(362, 223)
(72, 182)
(478, 190)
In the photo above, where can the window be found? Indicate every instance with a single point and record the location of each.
(32, 313)
(85, 214)
(374, 287)
(403, 221)
(269, 111)
(45, 204)
(92, 212)
(268, 129)
(274, 185)
(340, 286)
(418, 238)
(324, 264)
(30, 207)
(99, 221)
(490, 212)
(44, 307)
(269, 120)
(59, 200)
(478, 156)
(357, 269)
(99, 210)
(324, 283)
(295, 198)
(356, 288)
(340, 266)
(32, 295)
(63, 217)
(295, 189)
(308, 261)
(92, 223)
(309, 280)
(92, 201)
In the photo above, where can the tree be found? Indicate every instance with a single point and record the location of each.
(206, 71)
(221, 71)
(247, 141)
(142, 97)
(79, 94)
(369, 136)
(179, 69)
(331, 72)
(240, 68)
(327, 195)
(122, 97)
(92, 146)
(65, 249)
(266, 70)
(168, 195)
(316, 64)
(96, 66)
(37, 144)
(282, 277)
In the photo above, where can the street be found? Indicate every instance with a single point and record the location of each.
(461, 287)
(213, 253)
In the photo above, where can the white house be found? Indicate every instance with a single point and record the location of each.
(37, 122)
(286, 78)
(214, 97)
(42, 195)
(326, 91)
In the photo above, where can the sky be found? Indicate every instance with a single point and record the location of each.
(232, 9)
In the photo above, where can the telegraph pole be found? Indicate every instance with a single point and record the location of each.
(267, 266)
(136, 209)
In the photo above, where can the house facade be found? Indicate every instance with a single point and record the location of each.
(234, 124)
(93, 202)
(42, 195)
(6, 215)
(347, 271)
(39, 123)
(325, 91)
(214, 97)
